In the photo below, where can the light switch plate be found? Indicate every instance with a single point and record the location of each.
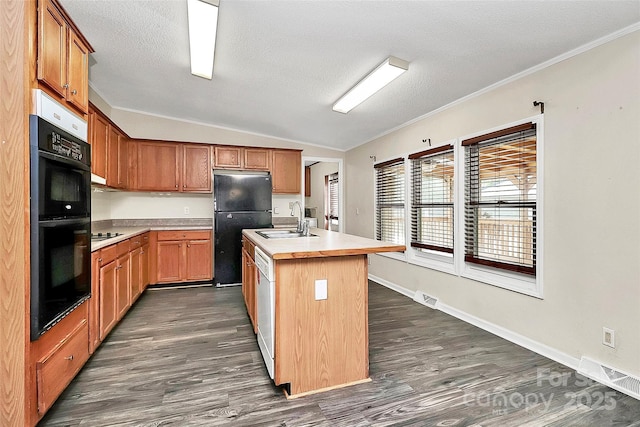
(321, 289)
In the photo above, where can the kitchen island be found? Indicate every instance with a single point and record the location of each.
(319, 308)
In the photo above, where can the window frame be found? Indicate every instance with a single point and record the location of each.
(392, 161)
(436, 260)
(522, 283)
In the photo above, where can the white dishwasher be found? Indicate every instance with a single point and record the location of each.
(266, 308)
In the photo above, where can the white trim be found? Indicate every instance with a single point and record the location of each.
(521, 340)
(398, 256)
(562, 57)
(434, 261)
(341, 179)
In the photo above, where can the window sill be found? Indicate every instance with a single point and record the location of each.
(531, 286)
(433, 261)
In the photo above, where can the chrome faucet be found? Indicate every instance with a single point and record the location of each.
(299, 227)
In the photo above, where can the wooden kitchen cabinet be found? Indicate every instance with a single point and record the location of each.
(135, 277)
(63, 56)
(307, 181)
(108, 315)
(196, 168)
(257, 158)
(117, 159)
(123, 278)
(158, 166)
(98, 136)
(249, 281)
(227, 157)
(184, 256)
(172, 166)
(286, 170)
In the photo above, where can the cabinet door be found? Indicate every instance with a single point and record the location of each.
(307, 181)
(245, 276)
(107, 298)
(52, 47)
(285, 171)
(99, 135)
(123, 297)
(78, 73)
(251, 290)
(94, 304)
(196, 171)
(135, 277)
(227, 157)
(158, 166)
(112, 157)
(144, 267)
(257, 158)
(170, 261)
(199, 261)
(123, 161)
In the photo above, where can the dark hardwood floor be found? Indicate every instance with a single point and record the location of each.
(188, 357)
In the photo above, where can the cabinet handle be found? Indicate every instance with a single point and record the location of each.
(66, 85)
(176, 185)
(188, 246)
(136, 242)
(69, 357)
(99, 259)
(74, 92)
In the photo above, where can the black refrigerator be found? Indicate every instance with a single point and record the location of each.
(240, 200)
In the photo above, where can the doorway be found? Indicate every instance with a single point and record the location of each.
(324, 192)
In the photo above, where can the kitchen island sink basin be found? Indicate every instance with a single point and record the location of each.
(283, 234)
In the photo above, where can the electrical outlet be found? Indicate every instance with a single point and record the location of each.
(276, 210)
(609, 337)
(186, 210)
(290, 205)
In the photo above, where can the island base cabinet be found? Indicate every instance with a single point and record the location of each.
(321, 344)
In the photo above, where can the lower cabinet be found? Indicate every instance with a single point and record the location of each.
(108, 314)
(249, 281)
(184, 256)
(123, 293)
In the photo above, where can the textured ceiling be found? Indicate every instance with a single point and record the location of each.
(280, 65)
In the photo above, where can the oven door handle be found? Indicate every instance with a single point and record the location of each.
(64, 222)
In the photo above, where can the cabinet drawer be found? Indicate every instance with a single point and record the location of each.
(135, 242)
(108, 254)
(184, 235)
(249, 247)
(123, 248)
(56, 370)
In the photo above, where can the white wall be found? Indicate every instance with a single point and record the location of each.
(591, 203)
(133, 205)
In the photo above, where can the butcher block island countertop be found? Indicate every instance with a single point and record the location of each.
(324, 244)
(320, 344)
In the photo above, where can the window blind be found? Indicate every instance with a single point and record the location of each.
(432, 199)
(390, 199)
(500, 199)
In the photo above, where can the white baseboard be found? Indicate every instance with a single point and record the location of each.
(511, 336)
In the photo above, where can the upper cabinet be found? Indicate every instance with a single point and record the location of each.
(98, 137)
(173, 166)
(63, 56)
(286, 171)
(236, 157)
(227, 157)
(257, 158)
(117, 159)
(196, 171)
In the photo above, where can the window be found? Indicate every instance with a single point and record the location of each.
(432, 195)
(500, 199)
(390, 199)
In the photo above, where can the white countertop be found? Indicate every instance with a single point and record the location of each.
(324, 244)
(128, 232)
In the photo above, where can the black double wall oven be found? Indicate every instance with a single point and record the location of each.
(60, 224)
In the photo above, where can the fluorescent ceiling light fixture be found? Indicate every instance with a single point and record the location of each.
(384, 73)
(203, 23)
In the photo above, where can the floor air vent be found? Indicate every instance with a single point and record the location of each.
(613, 378)
(424, 299)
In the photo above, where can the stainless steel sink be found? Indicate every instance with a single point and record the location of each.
(282, 234)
